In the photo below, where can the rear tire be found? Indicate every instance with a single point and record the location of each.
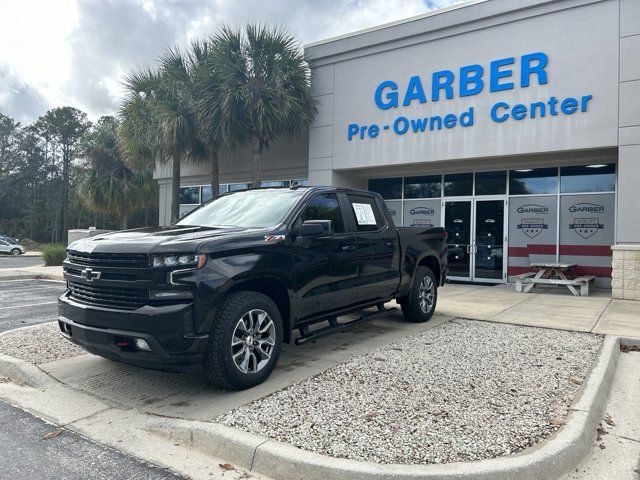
(15, 252)
(245, 341)
(420, 304)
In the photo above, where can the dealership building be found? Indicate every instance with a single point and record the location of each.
(515, 124)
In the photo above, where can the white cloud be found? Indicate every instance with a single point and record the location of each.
(75, 52)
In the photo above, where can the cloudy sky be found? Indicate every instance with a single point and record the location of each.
(75, 52)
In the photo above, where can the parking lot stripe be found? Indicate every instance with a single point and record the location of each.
(28, 305)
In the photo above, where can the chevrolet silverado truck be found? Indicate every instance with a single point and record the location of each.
(222, 288)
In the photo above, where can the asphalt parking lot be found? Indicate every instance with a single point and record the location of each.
(9, 261)
(28, 302)
(26, 452)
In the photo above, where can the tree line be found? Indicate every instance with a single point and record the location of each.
(55, 173)
(239, 86)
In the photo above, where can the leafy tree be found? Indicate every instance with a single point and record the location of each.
(110, 185)
(264, 91)
(66, 125)
(9, 131)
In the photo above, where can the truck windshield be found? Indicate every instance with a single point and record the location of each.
(248, 209)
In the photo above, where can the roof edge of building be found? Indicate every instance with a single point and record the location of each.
(397, 32)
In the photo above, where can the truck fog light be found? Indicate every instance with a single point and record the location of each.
(142, 344)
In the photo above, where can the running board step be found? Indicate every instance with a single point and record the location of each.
(307, 335)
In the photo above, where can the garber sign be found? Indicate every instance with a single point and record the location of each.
(469, 80)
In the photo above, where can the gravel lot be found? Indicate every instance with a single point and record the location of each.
(465, 390)
(39, 344)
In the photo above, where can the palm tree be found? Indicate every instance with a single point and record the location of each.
(158, 118)
(110, 185)
(264, 89)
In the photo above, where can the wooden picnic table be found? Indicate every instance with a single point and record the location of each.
(554, 273)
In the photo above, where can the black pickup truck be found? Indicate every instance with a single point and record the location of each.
(225, 286)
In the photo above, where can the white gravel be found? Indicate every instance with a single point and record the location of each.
(465, 390)
(40, 344)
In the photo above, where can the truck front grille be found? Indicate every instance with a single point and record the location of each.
(122, 260)
(127, 299)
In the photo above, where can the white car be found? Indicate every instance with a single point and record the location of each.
(11, 248)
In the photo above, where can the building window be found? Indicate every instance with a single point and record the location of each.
(275, 183)
(457, 184)
(533, 181)
(190, 195)
(588, 178)
(235, 187)
(491, 183)
(428, 186)
(389, 188)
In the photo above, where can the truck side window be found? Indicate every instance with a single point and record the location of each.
(324, 207)
(366, 213)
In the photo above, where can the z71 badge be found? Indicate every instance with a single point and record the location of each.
(273, 238)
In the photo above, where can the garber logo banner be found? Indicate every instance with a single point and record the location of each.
(532, 227)
(469, 80)
(586, 227)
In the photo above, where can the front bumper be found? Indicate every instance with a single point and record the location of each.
(100, 331)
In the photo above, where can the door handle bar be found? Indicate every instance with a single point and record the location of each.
(348, 248)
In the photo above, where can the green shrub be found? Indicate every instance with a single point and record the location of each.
(53, 254)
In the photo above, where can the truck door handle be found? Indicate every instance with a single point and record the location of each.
(348, 248)
(391, 243)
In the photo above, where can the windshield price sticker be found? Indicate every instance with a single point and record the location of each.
(364, 214)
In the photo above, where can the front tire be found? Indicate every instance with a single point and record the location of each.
(245, 341)
(15, 252)
(420, 304)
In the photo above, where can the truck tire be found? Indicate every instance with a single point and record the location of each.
(245, 341)
(15, 252)
(420, 304)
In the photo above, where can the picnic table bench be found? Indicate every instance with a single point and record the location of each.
(551, 273)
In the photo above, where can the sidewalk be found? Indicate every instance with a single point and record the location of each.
(38, 271)
(551, 308)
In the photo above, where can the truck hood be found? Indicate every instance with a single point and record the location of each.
(173, 238)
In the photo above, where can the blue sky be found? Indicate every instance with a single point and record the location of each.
(75, 52)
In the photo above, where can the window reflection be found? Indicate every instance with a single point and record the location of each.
(388, 188)
(491, 183)
(588, 178)
(426, 186)
(458, 184)
(531, 181)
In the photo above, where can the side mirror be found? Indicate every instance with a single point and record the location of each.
(316, 227)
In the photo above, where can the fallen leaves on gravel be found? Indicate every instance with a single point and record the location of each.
(629, 348)
(556, 422)
(52, 434)
(227, 466)
(608, 420)
(601, 431)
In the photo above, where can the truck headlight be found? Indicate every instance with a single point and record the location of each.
(179, 260)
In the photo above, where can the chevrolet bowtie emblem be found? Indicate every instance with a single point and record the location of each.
(89, 275)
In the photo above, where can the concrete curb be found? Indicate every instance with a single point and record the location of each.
(30, 276)
(547, 460)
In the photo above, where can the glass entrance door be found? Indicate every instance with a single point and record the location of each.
(476, 239)
(457, 224)
(489, 240)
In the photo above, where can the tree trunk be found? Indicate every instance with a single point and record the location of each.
(124, 220)
(215, 173)
(64, 224)
(146, 216)
(255, 156)
(175, 189)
